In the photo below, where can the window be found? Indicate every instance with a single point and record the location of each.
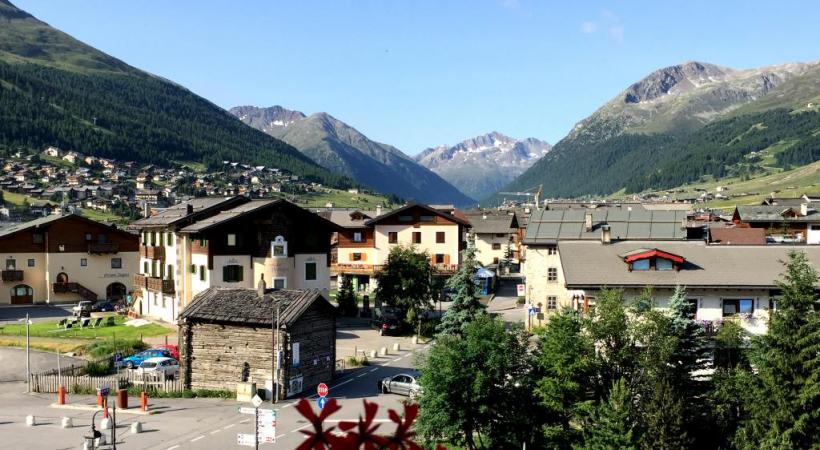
(31, 262)
(88, 236)
(232, 273)
(279, 247)
(417, 237)
(392, 237)
(170, 238)
(552, 274)
(500, 235)
(83, 262)
(357, 237)
(37, 238)
(201, 273)
(641, 264)
(203, 242)
(193, 268)
(310, 271)
(732, 307)
(495, 259)
(405, 218)
(552, 249)
(356, 257)
(170, 272)
(552, 302)
(231, 240)
(496, 246)
(691, 308)
(11, 264)
(280, 283)
(116, 263)
(145, 269)
(439, 258)
(663, 264)
(426, 218)
(440, 237)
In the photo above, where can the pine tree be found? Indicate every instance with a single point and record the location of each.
(784, 402)
(465, 305)
(663, 420)
(612, 424)
(346, 298)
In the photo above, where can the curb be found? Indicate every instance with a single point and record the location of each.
(138, 412)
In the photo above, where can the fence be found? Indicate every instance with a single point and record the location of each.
(82, 384)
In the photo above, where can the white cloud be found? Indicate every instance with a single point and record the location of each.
(608, 22)
(588, 27)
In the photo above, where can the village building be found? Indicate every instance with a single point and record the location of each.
(497, 236)
(60, 259)
(226, 336)
(797, 223)
(231, 242)
(362, 246)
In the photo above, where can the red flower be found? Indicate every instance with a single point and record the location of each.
(365, 431)
(319, 438)
(402, 438)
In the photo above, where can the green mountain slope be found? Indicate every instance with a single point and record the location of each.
(344, 150)
(684, 123)
(55, 90)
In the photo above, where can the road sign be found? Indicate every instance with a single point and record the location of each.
(521, 289)
(247, 410)
(321, 401)
(246, 439)
(267, 439)
(104, 391)
(322, 390)
(267, 414)
(118, 357)
(256, 400)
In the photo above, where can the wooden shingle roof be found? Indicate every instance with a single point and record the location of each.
(245, 307)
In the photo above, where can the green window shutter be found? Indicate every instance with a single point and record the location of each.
(240, 273)
(145, 267)
(193, 268)
(170, 272)
(226, 273)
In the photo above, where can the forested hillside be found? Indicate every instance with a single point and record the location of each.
(55, 90)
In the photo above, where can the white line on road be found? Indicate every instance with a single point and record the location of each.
(229, 426)
(215, 431)
(373, 369)
(362, 375)
(355, 420)
(198, 438)
(172, 448)
(286, 406)
(343, 382)
(245, 421)
(301, 428)
(397, 359)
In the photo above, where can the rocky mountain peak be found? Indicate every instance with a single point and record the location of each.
(679, 78)
(267, 119)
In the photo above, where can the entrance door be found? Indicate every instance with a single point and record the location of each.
(22, 294)
(115, 291)
(62, 277)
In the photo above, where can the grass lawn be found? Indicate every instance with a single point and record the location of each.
(44, 344)
(16, 199)
(103, 216)
(120, 331)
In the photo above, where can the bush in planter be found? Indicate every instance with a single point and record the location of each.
(521, 300)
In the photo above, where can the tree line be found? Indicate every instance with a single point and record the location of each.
(626, 375)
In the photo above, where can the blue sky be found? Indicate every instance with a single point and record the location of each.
(421, 73)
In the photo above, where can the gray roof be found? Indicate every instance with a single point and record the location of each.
(783, 201)
(245, 307)
(343, 219)
(774, 213)
(491, 224)
(548, 227)
(170, 216)
(229, 214)
(48, 220)
(592, 264)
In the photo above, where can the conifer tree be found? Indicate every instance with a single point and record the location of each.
(466, 305)
(663, 420)
(612, 424)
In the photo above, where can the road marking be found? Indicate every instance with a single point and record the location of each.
(287, 406)
(373, 369)
(245, 421)
(172, 448)
(397, 359)
(229, 426)
(198, 438)
(343, 382)
(355, 420)
(215, 431)
(302, 428)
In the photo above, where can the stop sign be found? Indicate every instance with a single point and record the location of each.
(322, 390)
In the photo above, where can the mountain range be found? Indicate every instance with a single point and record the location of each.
(342, 149)
(684, 123)
(56, 90)
(482, 165)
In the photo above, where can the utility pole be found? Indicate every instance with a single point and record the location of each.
(28, 357)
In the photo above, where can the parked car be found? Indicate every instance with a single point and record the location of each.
(171, 349)
(104, 306)
(163, 364)
(83, 309)
(387, 325)
(136, 360)
(402, 384)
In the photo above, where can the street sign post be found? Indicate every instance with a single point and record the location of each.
(520, 289)
(248, 440)
(322, 390)
(321, 401)
(264, 425)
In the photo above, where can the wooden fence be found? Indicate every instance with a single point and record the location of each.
(81, 384)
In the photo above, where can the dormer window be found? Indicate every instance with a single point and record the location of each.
(279, 247)
(652, 259)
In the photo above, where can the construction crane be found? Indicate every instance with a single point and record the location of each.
(529, 193)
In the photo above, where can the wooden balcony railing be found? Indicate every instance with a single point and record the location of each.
(139, 281)
(12, 275)
(152, 252)
(74, 288)
(153, 284)
(101, 248)
(355, 269)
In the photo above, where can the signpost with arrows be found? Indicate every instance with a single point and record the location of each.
(264, 425)
(322, 390)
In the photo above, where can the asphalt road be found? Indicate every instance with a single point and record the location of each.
(13, 363)
(36, 312)
(193, 423)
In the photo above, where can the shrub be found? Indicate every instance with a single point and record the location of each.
(104, 348)
(98, 368)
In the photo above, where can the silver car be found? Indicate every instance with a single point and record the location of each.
(402, 384)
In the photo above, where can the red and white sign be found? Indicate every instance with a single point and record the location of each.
(521, 289)
(322, 390)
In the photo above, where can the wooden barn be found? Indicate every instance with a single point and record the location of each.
(226, 337)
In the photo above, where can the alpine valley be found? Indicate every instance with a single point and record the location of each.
(685, 124)
(344, 150)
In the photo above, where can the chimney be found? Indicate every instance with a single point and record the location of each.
(804, 209)
(606, 234)
(588, 221)
(146, 211)
(261, 286)
(378, 210)
(189, 209)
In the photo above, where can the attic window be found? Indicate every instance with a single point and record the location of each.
(653, 259)
(405, 218)
(426, 218)
(279, 247)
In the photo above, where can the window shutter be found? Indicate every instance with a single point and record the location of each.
(433, 259)
(226, 273)
(364, 256)
(240, 273)
(446, 259)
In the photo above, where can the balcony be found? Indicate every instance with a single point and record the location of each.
(160, 285)
(139, 281)
(355, 269)
(12, 275)
(152, 252)
(102, 248)
(446, 269)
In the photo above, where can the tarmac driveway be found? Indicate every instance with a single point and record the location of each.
(13, 363)
(36, 313)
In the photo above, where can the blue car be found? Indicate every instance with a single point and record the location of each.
(137, 359)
